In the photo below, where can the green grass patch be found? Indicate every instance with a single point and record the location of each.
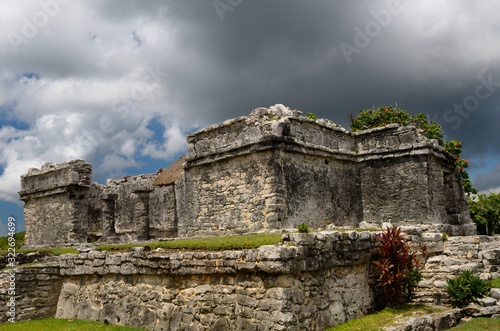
(52, 324)
(54, 251)
(479, 324)
(384, 318)
(495, 283)
(208, 243)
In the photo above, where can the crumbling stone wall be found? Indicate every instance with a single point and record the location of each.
(313, 171)
(264, 172)
(161, 208)
(478, 253)
(55, 196)
(312, 281)
(33, 290)
(62, 207)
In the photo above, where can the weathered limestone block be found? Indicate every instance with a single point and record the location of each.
(56, 209)
(109, 214)
(141, 213)
(34, 290)
(474, 253)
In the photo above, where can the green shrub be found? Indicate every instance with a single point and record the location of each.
(311, 116)
(372, 118)
(485, 212)
(398, 265)
(303, 228)
(466, 288)
(19, 239)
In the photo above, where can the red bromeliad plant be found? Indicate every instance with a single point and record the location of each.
(399, 266)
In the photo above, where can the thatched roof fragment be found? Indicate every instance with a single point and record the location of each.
(170, 175)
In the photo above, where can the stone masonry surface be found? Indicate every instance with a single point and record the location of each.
(308, 282)
(55, 196)
(265, 172)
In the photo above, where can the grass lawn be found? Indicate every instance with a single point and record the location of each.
(63, 324)
(208, 244)
(479, 324)
(386, 317)
(496, 283)
(19, 240)
(214, 243)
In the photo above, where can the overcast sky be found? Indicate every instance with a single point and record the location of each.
(119, 83)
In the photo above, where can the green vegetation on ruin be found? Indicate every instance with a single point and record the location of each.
(495, 283)
(485, 212)
(383, 116)
(19, 240)
(207, 243)
(479, 324)
(216, 243)
(384, 318)
(52, 324)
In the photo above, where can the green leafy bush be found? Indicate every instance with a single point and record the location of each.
(303, 228)
(372, 118)
(485, 212)
(399, 267)
(466, 288)
(19, 239)
(311, 116)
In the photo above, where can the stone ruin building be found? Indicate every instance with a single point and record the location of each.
(264, 172)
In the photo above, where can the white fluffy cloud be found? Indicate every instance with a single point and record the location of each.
(84, 80)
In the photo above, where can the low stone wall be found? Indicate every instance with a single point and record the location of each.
(29, 293)
(308, 282)
(311, 282)
(478, 253)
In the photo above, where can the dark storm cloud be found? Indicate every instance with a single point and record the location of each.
(428, 56)
(488, 180)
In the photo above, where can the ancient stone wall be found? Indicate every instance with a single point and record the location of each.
(478, 253)
(162, 221)
(55, 197)
(62, 207)
(401, 170)
(32, 292)
(312, 171)
(309, 282)
(268, 171)
(319, 190)
(239, 195)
